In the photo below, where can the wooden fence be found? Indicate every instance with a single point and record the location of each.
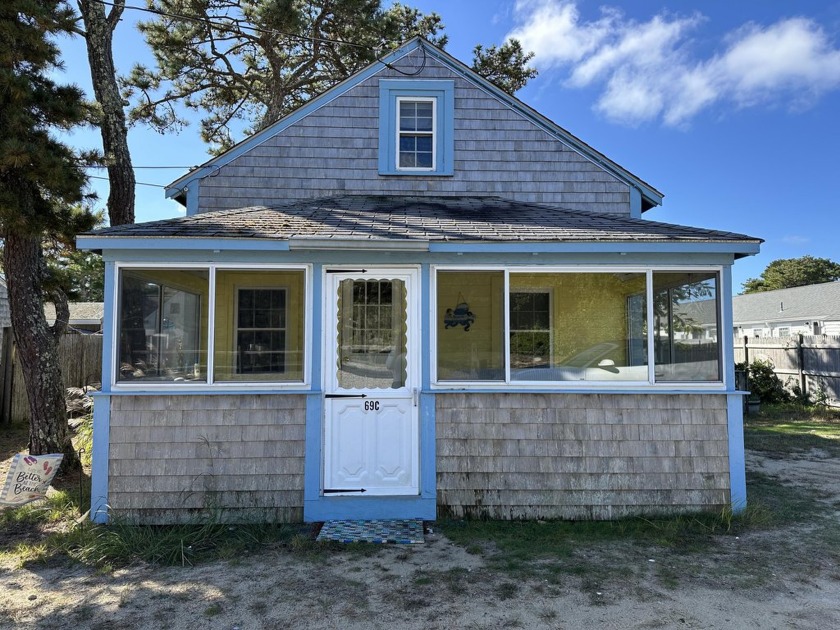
(81, 364)
(810, 361)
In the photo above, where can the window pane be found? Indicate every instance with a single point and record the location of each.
(686, 342)
(372, 334)
(163, 325)
(577, 327)
(259, 332)
(470, 326)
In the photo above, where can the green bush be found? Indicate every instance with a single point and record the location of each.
(764, 385)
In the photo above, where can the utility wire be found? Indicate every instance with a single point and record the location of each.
(137, 183)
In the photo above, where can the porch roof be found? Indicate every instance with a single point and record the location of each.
(466, 219)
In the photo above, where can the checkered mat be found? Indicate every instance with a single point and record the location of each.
(405, 532)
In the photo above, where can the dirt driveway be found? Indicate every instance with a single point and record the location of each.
(774, 578)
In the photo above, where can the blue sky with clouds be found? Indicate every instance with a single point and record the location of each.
(729, 108)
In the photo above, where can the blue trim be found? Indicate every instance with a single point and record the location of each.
(99, 461)
(312, 457)
(174, 242)
(428, 451)
(737, 466)
(192, 197)
(725, 333)
(444, 93)
(102, 406)
(369, 508)
(175, 188)
(635, 203)
(612, 247)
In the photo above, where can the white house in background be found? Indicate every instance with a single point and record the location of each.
(810, 310)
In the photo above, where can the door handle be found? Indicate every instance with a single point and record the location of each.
(415, 396)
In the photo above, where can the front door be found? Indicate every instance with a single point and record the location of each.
(371, 376)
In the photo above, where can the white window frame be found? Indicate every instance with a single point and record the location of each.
(650, 384)
(209, 383)
(399, 133)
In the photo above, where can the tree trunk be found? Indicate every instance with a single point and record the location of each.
(99, 31)
(37, 349)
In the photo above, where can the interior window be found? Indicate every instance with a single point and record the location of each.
(259, 325)
(530, 329)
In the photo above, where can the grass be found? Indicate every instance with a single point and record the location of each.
(785, 429)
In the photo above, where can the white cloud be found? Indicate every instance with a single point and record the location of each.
(648, 69)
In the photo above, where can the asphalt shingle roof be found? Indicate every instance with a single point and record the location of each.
(814, 301)
(373, 217)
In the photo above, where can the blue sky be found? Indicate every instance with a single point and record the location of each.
(731, 109)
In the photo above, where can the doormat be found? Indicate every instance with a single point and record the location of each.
(401, 532)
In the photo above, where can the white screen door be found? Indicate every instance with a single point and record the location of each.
(371, 374)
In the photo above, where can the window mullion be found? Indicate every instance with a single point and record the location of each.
(507, 323)
(650, 326)
(211, 326)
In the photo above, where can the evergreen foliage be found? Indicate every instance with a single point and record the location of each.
(794, 272)
(244, 64)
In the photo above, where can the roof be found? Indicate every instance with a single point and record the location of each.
(80, 313)
(651, 197)
(814, 301)
(374, 218)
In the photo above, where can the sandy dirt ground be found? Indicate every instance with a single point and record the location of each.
(440, 585)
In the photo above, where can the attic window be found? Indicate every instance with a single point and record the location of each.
(416, 126)
(416, 134)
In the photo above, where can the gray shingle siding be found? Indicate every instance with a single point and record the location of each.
(335, 150)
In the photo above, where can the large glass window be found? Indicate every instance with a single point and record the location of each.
(686, 345)
(470, 326)
(589, 334)
(578, 326)
(163, 325)
(259, 329)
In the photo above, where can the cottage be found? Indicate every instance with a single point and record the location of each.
(414, 297)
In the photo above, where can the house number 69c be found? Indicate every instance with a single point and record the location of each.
(371, 405)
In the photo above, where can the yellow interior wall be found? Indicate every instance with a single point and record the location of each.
(227, 282)
(587, 309)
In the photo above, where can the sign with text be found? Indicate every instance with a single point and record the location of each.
(28, 478)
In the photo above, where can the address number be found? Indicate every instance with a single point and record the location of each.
(371, 405)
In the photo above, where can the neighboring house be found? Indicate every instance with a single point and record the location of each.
(810, 310)
(414, 296)
(85, 317)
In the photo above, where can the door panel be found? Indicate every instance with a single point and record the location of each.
(371, 424)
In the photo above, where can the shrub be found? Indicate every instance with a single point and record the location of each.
(764, 385)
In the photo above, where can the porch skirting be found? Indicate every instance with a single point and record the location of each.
(241, 457)
(580, 456)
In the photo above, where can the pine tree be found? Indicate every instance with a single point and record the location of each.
(41, 184)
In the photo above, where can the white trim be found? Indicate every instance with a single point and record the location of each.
(650, 385)
(398, 133)
(209, 384)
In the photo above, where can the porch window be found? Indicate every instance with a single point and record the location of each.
(591, 331)
(686, 341)
(637, 326)
(163, 325)
(470, 326)
(259, 326)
